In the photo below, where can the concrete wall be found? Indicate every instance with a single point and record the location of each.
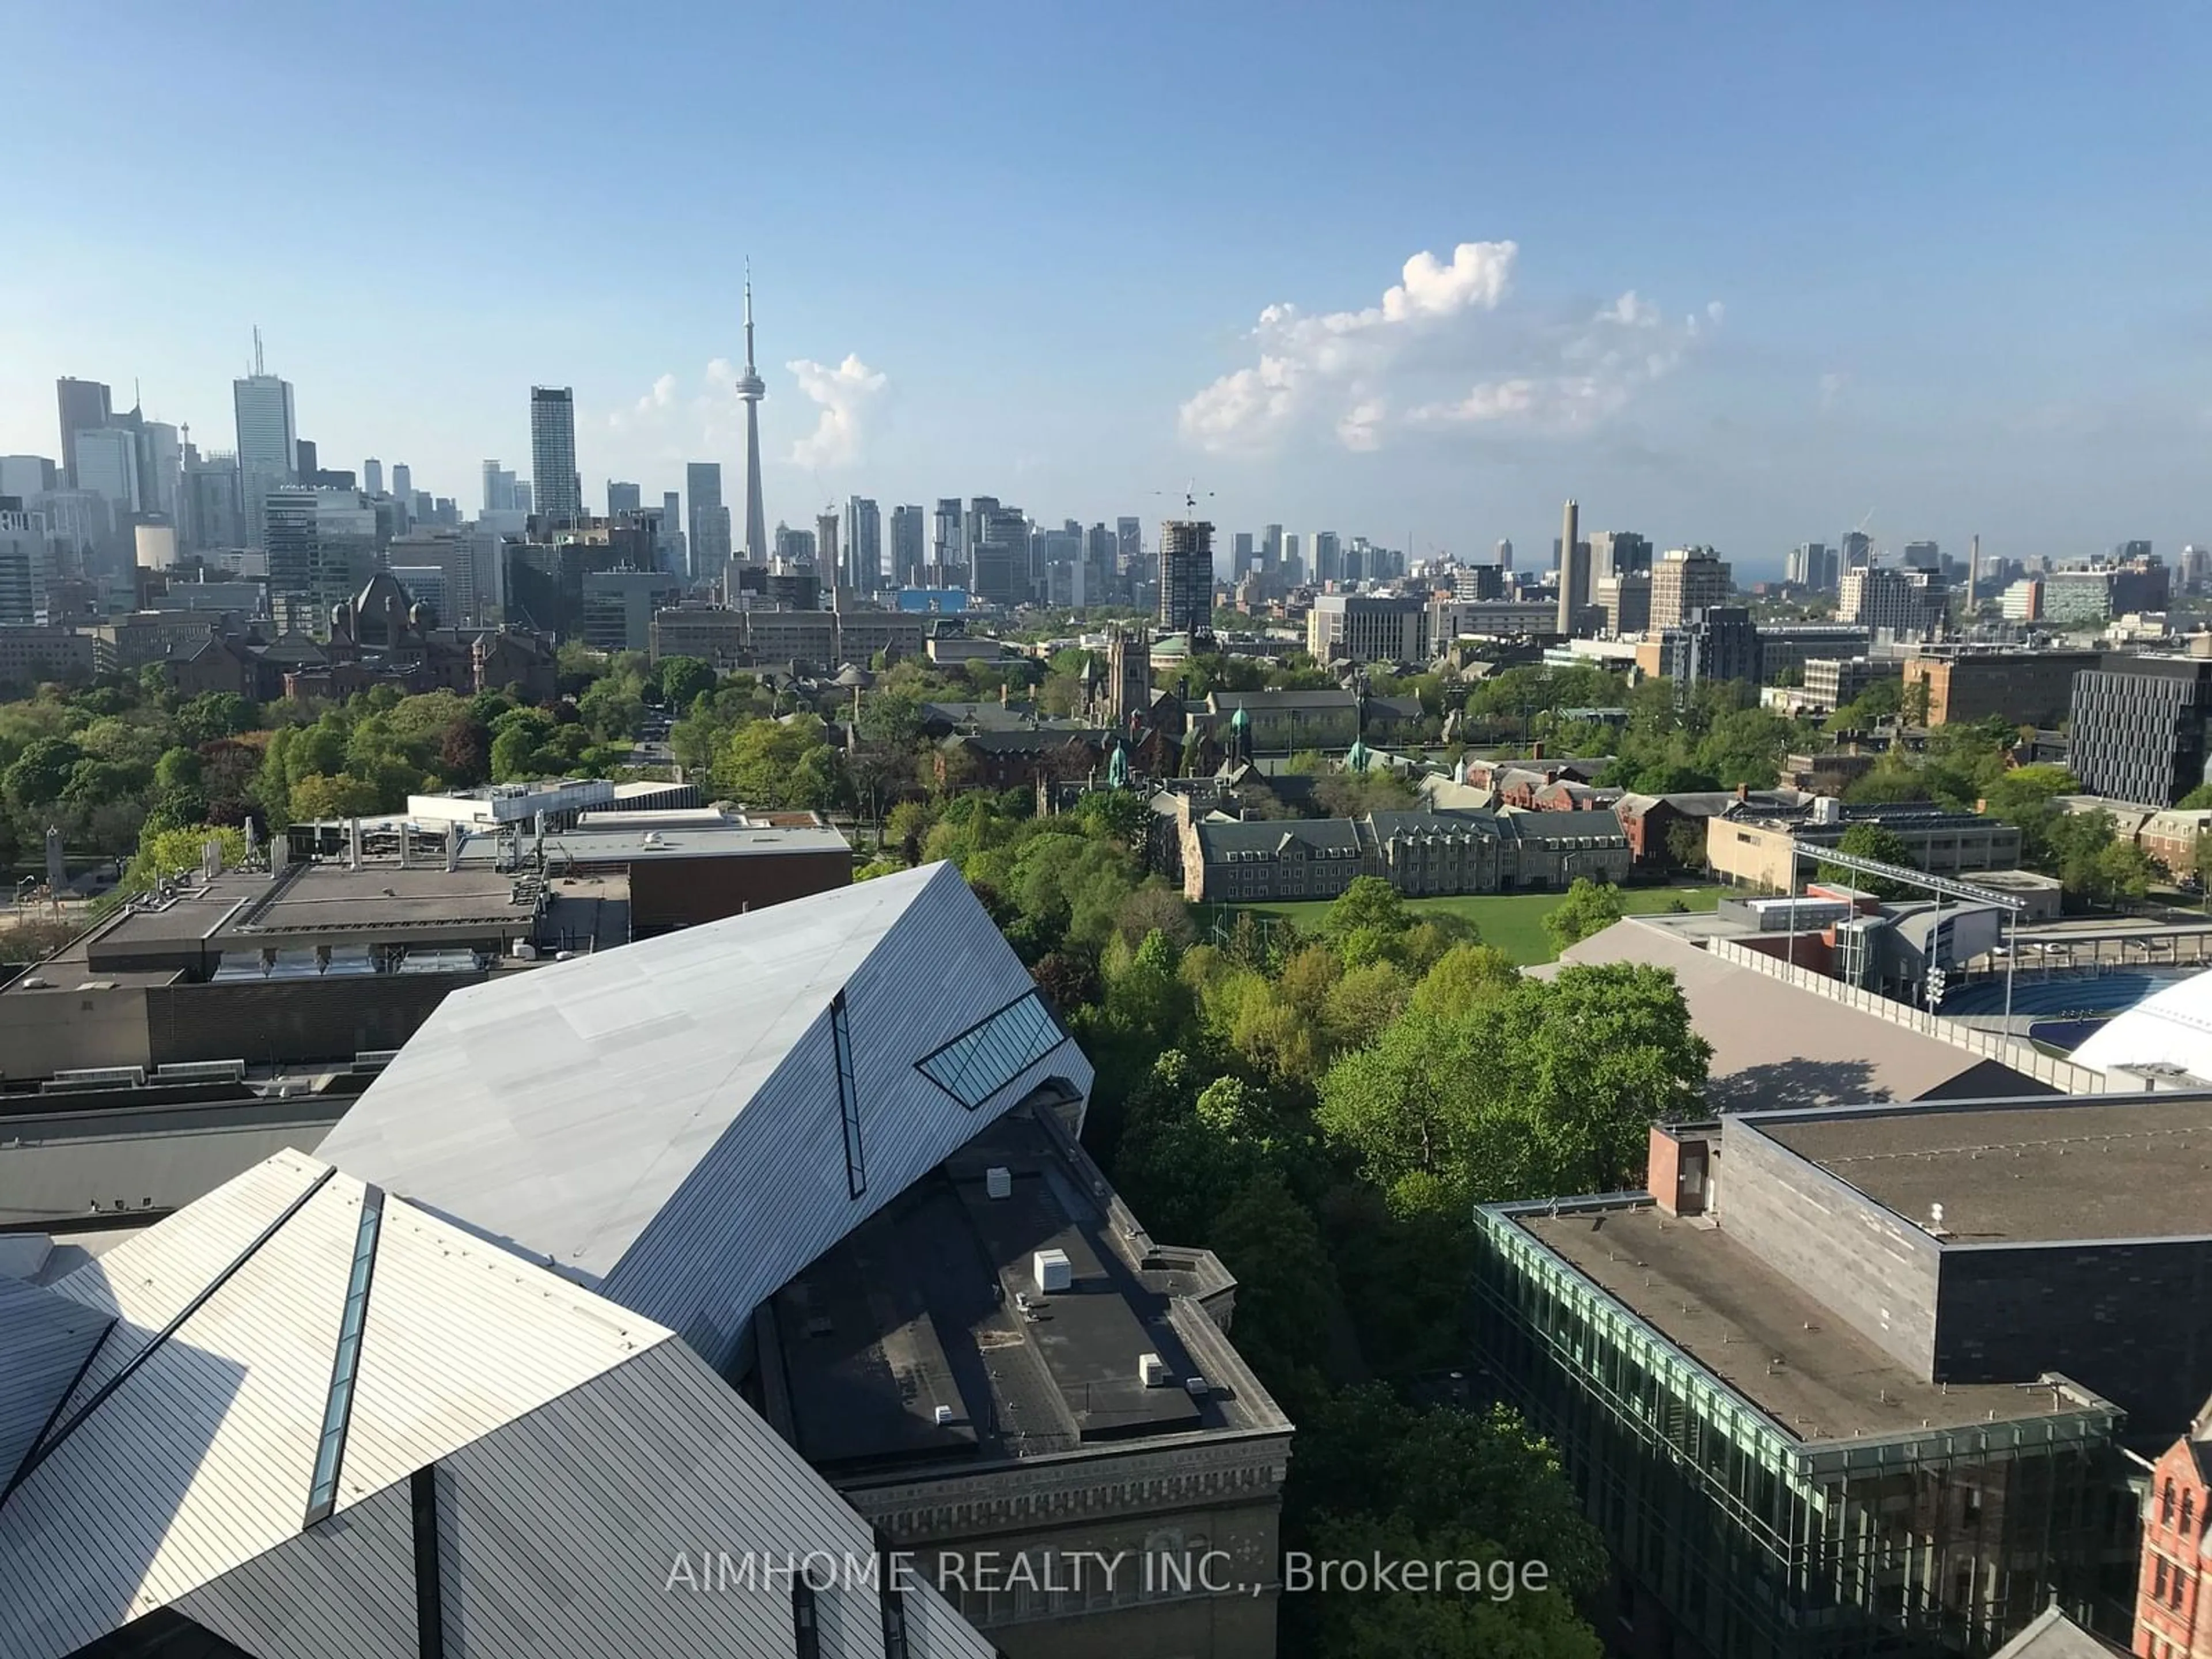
(284, 1020)
(42, 1032)
(2132, 1321)
(1839, 1248)
(666, 893)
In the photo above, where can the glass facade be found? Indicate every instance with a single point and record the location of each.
(985, 1059)
(1739, 1540)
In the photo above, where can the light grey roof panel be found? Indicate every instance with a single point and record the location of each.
(49, 1338)
(202, 1459)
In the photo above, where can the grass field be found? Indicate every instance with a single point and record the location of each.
(1514, 922)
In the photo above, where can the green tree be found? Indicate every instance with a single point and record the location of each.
(1870, 840)
(786, 764)
(1439, 1118)
(41, 771)
(178, 768)
(1438, 1483)
(1685, 844)
(683, 680)
(1590, 907)
(319, 796)
(172, 852)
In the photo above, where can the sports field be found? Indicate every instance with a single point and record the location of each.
(1514, 922)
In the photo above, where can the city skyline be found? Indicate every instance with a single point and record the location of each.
(1751, 327)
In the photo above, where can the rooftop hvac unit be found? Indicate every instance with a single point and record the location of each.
(1196, 1386)
(998, 1181)
(944, 1415)
(525, 951)
(1151, 1370)
(1050, 1270)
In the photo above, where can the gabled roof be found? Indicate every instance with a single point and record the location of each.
(1268, 834)
(2052, 1635)
(681, 1091)
(1599, 824)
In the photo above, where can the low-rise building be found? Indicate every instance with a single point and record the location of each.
(1286, 722)
(1852, 1381)
(1751, 846)
(1430, 853)
(1369, 627)
(36, 653)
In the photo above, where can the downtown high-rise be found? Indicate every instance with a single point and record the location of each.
(909, 539)
(862, 545)
(555, 485)
(268, 445)
(708, 519)
(1187, 575)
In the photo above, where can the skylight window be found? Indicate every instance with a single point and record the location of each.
(986, 1057)
(338, 1410)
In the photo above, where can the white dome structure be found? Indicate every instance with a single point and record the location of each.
(2171, 1029)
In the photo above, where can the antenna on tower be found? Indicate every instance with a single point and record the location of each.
(257, 349)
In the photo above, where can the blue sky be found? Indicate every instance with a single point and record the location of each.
(1942, 265)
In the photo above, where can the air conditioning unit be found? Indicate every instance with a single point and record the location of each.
(999, 1182)
(944, 1415)
(1151, 1370)
(1051, 1271)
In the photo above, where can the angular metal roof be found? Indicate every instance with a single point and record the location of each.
(178, 1471)
(566, 1110)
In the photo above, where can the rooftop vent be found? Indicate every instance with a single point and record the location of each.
(1151, 1370)
(999, 1182)
(944, 1415)
(1197, 1387)
(1051, 1271)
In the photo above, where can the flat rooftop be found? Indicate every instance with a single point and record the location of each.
(921, 1307)
(132, 1165)
(728, 841)
(1737, 1317)
(2090, 1168)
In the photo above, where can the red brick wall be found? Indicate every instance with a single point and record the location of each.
(2169, 1588)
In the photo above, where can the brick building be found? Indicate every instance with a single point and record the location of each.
(2026, 688)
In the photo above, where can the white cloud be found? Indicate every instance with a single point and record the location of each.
(1366, 376)
(845, 394)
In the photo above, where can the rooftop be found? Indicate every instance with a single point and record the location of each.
(2090, 1168)
(66, 1168)
(895, 1322)
(1755, 1330)
(1776, 1045)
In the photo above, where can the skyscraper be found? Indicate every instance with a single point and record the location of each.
(1618, 553)
(1504, 553)
(268, 442)
(863, 544)
(403, 483)
(498, 489)
(908, 540)
(624, 500)
(322, 548)
(750, 391)
(1685, 580)
(372, 476)
(947, 549)
(85, 407)
(825, 548)
(1574, 568)
(555, 485)
(1129, 539)
(108, 466)
(1327, 556)
(1187, 575)
(710, 520)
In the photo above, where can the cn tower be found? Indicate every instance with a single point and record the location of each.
(751, 388)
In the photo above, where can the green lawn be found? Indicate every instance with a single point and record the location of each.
(1514, 922)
